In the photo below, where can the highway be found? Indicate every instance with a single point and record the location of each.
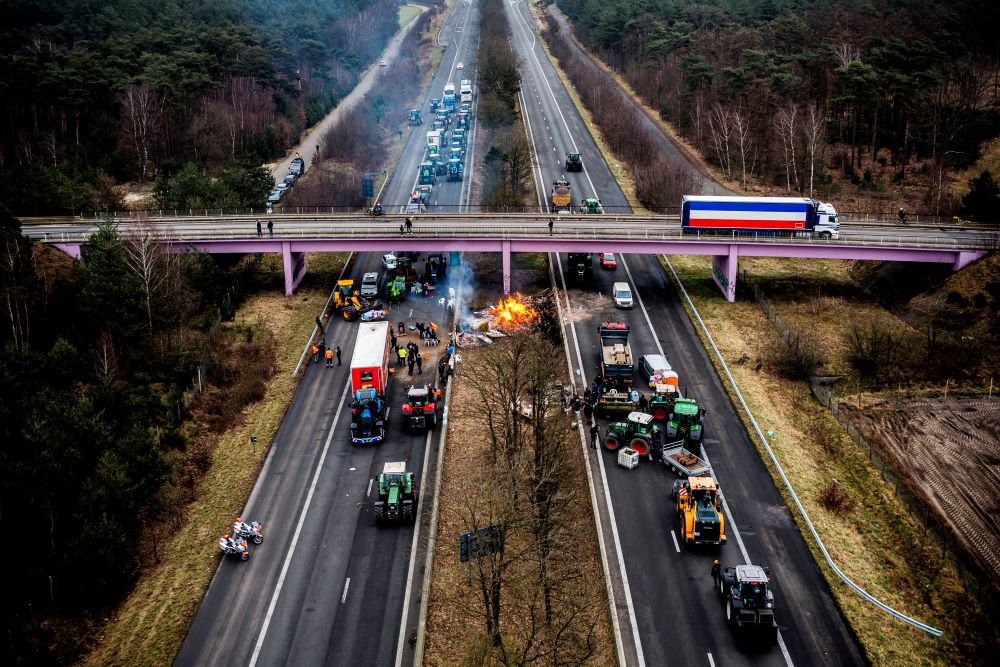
(327, 586)
(671, 615)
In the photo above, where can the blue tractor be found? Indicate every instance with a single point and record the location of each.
(367, 418)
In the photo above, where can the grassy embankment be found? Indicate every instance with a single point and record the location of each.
(150, 625)
(872, 536)
(407, 13)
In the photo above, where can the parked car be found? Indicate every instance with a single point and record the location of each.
(275, 196)
(369, 284)
(382, 63)
(459, 66)
(282, 186)
(389, 262)
(290, 179)
(622, 294)
(608, 261)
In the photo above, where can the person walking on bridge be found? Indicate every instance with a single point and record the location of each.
(409, 226)
(551, 223)
(260, 232)
(270, 228)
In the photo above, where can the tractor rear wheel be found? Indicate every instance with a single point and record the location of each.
(660, 413)
(640, 445)
(408, 512)
(379, 514)
(348, 314)
(611, 442)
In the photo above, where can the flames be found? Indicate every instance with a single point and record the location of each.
(513, 313)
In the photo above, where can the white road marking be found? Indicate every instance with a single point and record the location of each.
(673, 536)
(347, 584)
(298, 530)
(370, 482)
(711, 662)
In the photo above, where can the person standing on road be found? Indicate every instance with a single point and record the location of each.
(595, 435)
(420, 365)
(329, 358)
(322, 348)
(339, 363)
(260, 232)
(392, 339)
(315, 351)
(319, 325)
(270, 228)
(716, 572)
(409, 364)
(400, 355)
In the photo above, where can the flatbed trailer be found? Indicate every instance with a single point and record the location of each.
(684, 462)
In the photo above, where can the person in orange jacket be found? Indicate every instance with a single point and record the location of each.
(329, 358)
(315, 353)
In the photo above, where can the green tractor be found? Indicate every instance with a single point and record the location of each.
(686, 421)
(574, 162)
(637, 432)
(415, 117)
(661, 401)
(591, 205)
(396, 289)
(427, 173)
(397, 495)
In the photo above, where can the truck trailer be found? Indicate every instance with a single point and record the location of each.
(370, 363)
(759, 216)
(615, 368)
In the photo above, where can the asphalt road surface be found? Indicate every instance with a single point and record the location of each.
(671, 614)
(327, 586)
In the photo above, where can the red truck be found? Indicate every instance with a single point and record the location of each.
(370, 364)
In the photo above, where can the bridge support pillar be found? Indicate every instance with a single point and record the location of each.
(724, 272)
(295, 267)
(966, 257)
(505, 249)
(454, 259)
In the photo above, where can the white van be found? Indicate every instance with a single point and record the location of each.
(622, 294)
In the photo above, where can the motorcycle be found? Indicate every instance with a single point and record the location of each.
(234, 546)
(376, 210)
(249, 531)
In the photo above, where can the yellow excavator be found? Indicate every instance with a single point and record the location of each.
(699, 510)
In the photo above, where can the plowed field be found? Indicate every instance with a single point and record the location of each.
(950, 450)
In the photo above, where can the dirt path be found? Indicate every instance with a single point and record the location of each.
(309, 145)
(950, 449)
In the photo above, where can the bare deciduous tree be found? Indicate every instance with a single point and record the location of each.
(784, 125)
(143, 107)
(720, 125)
(148, 260)
(814, 129)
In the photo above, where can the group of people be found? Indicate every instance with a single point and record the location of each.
(588, 402)
(410, 355)
(270, 228)
(321, 351)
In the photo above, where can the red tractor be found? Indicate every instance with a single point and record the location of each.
(420, 412)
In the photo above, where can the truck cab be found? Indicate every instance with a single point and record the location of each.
(827, 223)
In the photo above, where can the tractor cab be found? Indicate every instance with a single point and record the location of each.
(367, 417)
(751, 586)
(686, 420)
(574, 162)
(397, 495)
(456, 170)
(415, 117)
(427, 173)
(435, 104)
(436, 267)
(592, 205)
(424, 193)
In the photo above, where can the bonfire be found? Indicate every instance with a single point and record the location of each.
(513, 314)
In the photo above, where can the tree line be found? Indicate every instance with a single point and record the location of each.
(109, 91)
(94, 464)
(782, 91)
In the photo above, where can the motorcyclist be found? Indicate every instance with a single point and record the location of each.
(377, 208)
(902, 217)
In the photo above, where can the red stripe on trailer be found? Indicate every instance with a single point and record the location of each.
(748, 224)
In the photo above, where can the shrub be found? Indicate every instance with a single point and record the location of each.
(834, 499)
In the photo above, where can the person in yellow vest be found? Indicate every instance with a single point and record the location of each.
(401, 356)
(329, 358)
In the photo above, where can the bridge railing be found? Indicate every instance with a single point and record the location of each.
(609, 229)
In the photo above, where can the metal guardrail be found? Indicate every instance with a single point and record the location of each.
(788, 485)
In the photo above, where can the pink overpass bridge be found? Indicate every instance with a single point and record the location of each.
(296, 235)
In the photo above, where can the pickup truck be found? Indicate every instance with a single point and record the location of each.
(615, 368)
